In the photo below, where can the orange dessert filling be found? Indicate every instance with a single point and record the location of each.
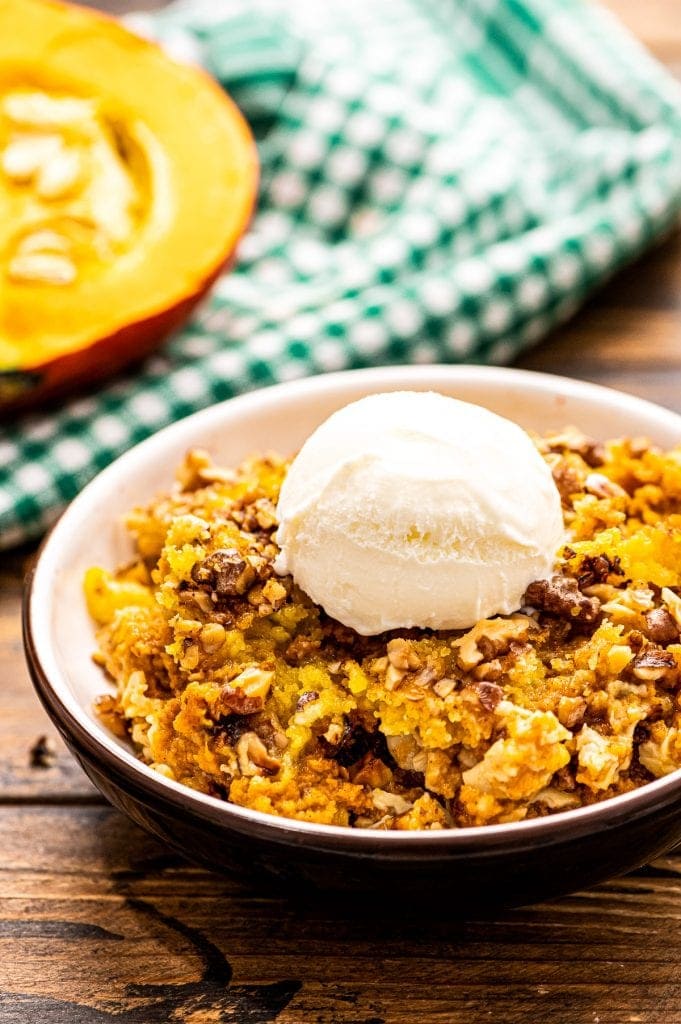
(229, 679)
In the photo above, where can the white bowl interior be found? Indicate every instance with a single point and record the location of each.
(280, 418)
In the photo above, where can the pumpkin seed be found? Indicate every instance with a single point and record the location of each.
(42, 268)
(27, 154)
(40, 110)
(44, 241)
(58, 175)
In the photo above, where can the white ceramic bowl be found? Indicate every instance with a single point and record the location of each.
(60, 641)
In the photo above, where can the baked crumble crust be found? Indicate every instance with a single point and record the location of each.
(231, 680)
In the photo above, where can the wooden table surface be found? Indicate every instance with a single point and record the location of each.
(100, 923)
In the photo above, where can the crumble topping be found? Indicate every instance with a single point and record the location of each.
(231, 680)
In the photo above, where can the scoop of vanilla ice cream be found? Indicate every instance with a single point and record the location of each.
(413, 509)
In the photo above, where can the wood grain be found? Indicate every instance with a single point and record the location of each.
(99, 924)
(94, 916)
(22, 720)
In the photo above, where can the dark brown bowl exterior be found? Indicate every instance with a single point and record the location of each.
(506, 867)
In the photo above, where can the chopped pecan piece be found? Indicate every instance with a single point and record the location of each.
(254, 757)
(636, 639)
(488, 670)
(265, 514)
(391, 803)
(306, 698)
(566, 478)
(212, 637)
(660, 627)
(488, 693)
(654, 663)
(402, 656)
(573, 440)
(371, 771)
(602, 487)
(444, 687)
(562, 597)
(245, 694)
(299, 648)
(274, 593)
(233, 701)
(596, 569)
(489, 638)
(225, 573)
(403, 750)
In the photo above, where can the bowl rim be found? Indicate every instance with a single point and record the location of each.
(67, 712)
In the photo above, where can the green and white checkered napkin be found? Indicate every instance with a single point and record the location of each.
(442, 180)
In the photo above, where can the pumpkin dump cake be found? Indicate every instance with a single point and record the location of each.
(230, 679)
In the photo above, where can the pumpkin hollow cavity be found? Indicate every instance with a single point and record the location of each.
(75, 182)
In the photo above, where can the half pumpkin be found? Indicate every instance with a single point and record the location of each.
(126, 180)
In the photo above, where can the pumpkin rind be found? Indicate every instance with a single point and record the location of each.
(192, 158)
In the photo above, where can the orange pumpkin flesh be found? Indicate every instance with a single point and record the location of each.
(126, 180)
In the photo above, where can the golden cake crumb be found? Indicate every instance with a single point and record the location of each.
(230, 680)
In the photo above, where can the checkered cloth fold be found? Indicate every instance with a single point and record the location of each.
(442, 180)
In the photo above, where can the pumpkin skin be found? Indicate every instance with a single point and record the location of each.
(184, 179)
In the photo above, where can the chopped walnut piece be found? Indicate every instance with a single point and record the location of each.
(232, 701)
(306, 698)
(403, 749)
(595, 569)
(425, 677)
(562, 597)
(254, 681)
(225, 573)
(602, 487)
(245, 694)
(300, 648)
(490, 637)
(253, 756)
(265, 514)
(444, 687)
(566, 478)
(488, 693)
(274, 593)
(334, 734)
(391, 803)
(661, 753)
(600, 758)
(402, 655)
(372, 772)
(490, 670)
(393, 677)
(660, 627)
(212, 637)
(573, 440)
(654, 663)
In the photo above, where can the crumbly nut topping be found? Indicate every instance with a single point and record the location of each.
(562, 597)
(229, 679)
